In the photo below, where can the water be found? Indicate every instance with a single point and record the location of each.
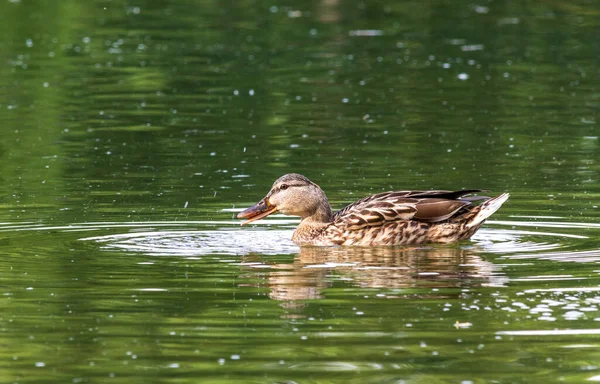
(133, 133)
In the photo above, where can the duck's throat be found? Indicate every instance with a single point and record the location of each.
(309, 232)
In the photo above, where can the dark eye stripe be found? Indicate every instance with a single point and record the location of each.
(291, 185)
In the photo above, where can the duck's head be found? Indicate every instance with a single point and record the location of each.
(293, 195)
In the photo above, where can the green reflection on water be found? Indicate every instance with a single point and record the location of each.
(162, 115)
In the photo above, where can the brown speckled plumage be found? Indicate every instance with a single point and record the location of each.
(389, 218)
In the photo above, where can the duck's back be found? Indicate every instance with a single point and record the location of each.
(411, 217)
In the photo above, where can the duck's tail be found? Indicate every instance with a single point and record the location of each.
(487, 209)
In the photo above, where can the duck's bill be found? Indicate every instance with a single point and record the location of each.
(256, 212)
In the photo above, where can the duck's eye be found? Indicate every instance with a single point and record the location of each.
(283, 187)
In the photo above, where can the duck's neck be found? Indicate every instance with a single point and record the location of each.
(322, 215)
(311, 227)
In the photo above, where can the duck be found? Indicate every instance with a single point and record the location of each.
(395, 218)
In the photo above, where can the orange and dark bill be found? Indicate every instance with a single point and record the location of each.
(257, 211)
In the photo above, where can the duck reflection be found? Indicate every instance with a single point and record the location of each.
(316, 268)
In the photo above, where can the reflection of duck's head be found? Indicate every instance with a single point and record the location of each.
(292, 195)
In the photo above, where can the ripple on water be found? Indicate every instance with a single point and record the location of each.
(198, 243)
(511, 241)
(177, 239)
(231, 241)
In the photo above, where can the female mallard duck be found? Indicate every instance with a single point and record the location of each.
(388, 218)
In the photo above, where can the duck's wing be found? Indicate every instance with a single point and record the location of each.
(426, 206)
(451, 195)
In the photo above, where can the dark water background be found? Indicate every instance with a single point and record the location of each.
(132, 132)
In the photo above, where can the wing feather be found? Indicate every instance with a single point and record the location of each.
(434, 210)
(426, 206)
